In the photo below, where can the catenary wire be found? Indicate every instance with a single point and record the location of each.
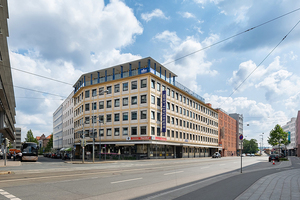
(230, 37)
(39, 91)
(264, 59)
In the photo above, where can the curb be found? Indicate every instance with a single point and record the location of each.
(5, 172)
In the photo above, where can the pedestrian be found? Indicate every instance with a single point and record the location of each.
(232, 154)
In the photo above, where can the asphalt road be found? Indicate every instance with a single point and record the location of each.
(152, 179)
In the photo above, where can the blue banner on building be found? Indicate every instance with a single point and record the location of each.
(144, 70)
(164, 111)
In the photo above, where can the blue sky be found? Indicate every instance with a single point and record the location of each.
(63, 39)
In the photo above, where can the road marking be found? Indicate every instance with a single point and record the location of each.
(126, 180)
(173, 173)
(9, 196)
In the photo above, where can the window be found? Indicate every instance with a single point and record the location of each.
(117, 131)
(168, 119)
(117, 117)
(172, 107)
(168, 105)
(117, 102)
(117, 88)
(143, 83)
(101, 105)
(87, 120)
(158, 101)
(134, 115)
(87, 107)
(101, 132)
(125, 131)
(94, 92)
(172, 120)
(143, 114)
(158, 86)
(101, 118)
(158, 116)
(125, 116)
(94, 106)
(172, 134)
(108, 104)
(87, 94)
(125, 86)
(168, 133)
(108, 118)
(176, 95)
(180, 122)
(125, 101)
(152, 130)
(163, 88)
(176, 122)
(176, 134)
(101, 91)
(158, 131)
(172, 93)
(183, 99)
(187, 101)
(168, 91)
(180, 98)
(108, 132)
(108, 88)
(134, 85)
(153, 84)
(143, 98)
(134, 100)
(133, 131)
(152, 99)
(180, 110)
(143, 130)
(153, 115)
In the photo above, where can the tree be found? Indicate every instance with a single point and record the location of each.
(49, 144)
(250, 146)
(30, 137)
(278, 137)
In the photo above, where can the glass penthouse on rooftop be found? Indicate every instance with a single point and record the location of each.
(133, 68)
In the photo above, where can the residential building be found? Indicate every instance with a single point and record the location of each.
(43, 140)
(17, 142)
(145, 111)
(58, 128)
(7, 96)
(298, 134)
(68, 125)
(239, 129)
(290, 128)
(228, 133)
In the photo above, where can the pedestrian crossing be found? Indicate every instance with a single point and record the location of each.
(8, 195)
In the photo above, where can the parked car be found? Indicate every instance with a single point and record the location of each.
(252, 155)
(216, 155)
(243, 155)
(274, 157)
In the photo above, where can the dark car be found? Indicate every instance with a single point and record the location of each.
(274, 157)
(216, 155)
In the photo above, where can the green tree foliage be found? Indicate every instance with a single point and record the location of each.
(278, 136)
(49, 144)
(250, 146)
(30, 137)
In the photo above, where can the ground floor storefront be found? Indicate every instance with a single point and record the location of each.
(145, 150)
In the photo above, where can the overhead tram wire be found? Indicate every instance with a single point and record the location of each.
(250, 29)
(39, 91)
(264, 59)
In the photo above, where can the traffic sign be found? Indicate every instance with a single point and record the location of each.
(241, 137)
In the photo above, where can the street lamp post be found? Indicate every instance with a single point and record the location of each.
(262, 139)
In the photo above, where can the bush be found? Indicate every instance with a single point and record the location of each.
(283, 159)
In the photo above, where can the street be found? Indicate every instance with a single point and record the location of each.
(143, 179)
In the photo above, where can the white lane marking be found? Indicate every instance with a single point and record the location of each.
(126, 180)
(203, 167)
(9, 196)
(173, 173)
(222, 164)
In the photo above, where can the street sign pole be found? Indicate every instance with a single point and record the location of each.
(241, 138)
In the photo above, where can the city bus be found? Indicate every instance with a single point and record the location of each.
(29, 151)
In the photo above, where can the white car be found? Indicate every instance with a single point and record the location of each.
(243, 155)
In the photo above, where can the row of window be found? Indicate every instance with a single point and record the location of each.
(183, 99)
(143, 131)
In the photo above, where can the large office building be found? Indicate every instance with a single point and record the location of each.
(228, 133)
(68, 125)
(58, 128)
(138, 108)
(239, 129)
(7, 97)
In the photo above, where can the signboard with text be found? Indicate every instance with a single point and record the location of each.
(164, 111)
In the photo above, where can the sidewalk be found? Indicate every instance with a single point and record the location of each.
(281, 185)
(9, 163)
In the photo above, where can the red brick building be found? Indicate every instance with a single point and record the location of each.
(227, 133)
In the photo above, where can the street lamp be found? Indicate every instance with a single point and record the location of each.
(94, 120)
(262, 140)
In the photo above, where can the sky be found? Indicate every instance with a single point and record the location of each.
(64, 39)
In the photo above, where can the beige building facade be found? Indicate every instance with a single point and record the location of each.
(130, 118)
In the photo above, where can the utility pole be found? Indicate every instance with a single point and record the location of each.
(82, 143)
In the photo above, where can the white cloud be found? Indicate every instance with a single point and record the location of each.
(155, 13)
(186, 15)
(205, 1)
(168, 36)
(213, 38)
